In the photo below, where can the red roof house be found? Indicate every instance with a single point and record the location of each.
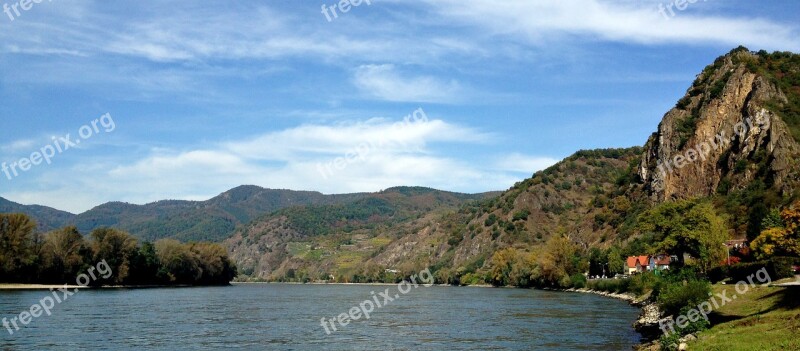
(637, 264)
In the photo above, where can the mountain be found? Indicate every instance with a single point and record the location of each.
(367, 234)
(740, 120)
(732, 140)
(339, 235)
(210, 220)
(215, 219)
(47, 218)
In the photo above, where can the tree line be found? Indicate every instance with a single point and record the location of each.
(57, 257)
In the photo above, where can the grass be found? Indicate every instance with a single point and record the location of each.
(765, 318)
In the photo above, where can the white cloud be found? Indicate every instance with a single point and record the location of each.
(394, 135)
(19, 145)
(386, 83)
(543, 22)
(393, 152)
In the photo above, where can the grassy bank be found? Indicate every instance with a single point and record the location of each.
(765, 318)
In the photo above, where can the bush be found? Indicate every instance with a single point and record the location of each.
(674, 296)
(777, 268)
(781, 267)
(719, 274)
(641, 283)
(578, 281)
(668, 340)
(610, 285)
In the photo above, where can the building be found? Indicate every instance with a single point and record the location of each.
(641, 264)
(659, 262)
(637, 264)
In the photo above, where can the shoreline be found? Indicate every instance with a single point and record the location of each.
(37, 287)
(362, 284)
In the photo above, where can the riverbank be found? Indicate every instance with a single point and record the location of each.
(12, 287)
(38, 287)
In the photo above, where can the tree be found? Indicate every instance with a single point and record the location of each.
(780, 241)
(116, 248)
(178, 262)
(616, 264)
(16, 246)
(63, 254)
(214, 264)
(501, 265)
(145, 268)
(558, 261)
(687, 227)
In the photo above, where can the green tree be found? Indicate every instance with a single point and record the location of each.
(616, 263)
(145, 267)
(178, 263)
(63, 254)
(17, 244)
(116, 248)
(687, 227)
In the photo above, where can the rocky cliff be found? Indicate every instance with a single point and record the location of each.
(723, 135)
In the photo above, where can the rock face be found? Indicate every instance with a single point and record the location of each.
(722, 134)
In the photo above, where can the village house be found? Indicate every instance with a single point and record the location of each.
(659, 262)
(637, 264)
(641, 264)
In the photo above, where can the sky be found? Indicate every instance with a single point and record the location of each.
(143, 101)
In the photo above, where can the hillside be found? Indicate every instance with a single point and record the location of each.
(211, 220)
(47, 218)
(310, 241)
(589, 203)
(354, 240)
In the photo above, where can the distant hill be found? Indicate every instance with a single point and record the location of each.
(339, 234)
(211, 220)
(47, 218)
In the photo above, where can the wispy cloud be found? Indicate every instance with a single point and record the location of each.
(386, 83)
(546, 22)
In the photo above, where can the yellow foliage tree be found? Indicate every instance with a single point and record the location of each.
(780, 241)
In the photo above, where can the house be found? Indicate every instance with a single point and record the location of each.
(659, 262)
(637, 264)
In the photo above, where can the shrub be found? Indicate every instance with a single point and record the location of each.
(642, 283)
(610, 285)
(578, 281)
(491, 220)
(674, 296)
(777, 268)
(781, 267)
(668, 340)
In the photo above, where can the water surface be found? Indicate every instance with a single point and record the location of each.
(287, 317)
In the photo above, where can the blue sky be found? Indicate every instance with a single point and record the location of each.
(208, 97)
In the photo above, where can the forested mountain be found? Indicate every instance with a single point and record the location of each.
(211, 220)
(47, 218)
(340, 235)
